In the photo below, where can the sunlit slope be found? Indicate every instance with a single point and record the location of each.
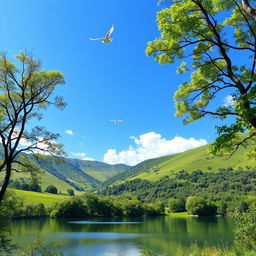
(194, 159)
(40, 198)
(45, 180)
(98, 170)
(137, 169)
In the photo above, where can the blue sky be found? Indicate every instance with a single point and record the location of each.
(103, 81)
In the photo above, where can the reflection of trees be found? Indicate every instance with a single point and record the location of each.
(165, 234)
(6, 244)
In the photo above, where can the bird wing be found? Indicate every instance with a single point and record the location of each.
(110, 31)
(97, 39)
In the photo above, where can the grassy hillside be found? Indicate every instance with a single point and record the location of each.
(194, 159)
(69, 173)
(46, 180)
(98, 170)
(66, 173)
(137, 169)
(35, 197)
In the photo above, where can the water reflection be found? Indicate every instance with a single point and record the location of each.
(126, 236)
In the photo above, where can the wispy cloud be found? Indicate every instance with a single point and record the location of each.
(78, 154)
(69, 132)
(151, 145)
(89, 159)
(228, 101)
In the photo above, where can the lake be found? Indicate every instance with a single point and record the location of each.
(126, 236)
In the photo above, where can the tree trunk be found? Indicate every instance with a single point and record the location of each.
(6, 182)
(247, 7)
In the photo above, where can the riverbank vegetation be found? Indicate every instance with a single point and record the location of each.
(78, 207)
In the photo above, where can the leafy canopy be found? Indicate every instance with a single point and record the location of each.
(25, 90)
(215, 42)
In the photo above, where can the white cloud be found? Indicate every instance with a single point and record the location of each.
(228, 101)
(151, 145)
(89, 159)
(41, 146)
(69, 132)
(78, 154)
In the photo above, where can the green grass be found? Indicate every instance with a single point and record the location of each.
(178, 214)
(46, 180)
(36, 197)
(195, 159)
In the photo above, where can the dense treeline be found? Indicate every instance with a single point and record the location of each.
(25, 184)
(198, 193)
(79, 207)
(218, 185)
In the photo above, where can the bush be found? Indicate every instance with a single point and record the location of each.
(71, 208)
(51, 189)
(71, 192)
(176, 205)
(200, 206)
(10, 204)
(132, 208)
(245, 229)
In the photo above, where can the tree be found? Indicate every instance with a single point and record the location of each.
(245, 229)
(51, 189)
(176, 205)
(71, 192)
(199, 206)
(71, 208)
(218, 40)
(25, 90)
(248, 8)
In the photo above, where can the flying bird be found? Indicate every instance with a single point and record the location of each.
(107, 38)
(116, 121)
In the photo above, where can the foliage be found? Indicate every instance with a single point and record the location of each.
(26, 184)
(245, 229)
(212, 36)
(226, 185)
(200, 206)
(93, 205)
(10, 204)
(51, 189)
(70, 192)
(71, 208)
(132, 208)
(32, 210)
(176, 205)
(25, 91)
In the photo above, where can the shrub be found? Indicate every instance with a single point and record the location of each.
(71, 208)
(176, 205)
(200, 206)
(132, 208)
(71, 192)
(51, 189)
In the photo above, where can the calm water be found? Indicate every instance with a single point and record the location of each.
(126, 236)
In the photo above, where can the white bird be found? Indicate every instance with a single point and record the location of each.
(107, 38)
(116, 121)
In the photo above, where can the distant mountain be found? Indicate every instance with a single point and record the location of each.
(81, 174)
(66, 173)
(194, 159)
(98, 170)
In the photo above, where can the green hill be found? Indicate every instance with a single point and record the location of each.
(98, 170)
(186, 174)
(194, 159)
(67, 173)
